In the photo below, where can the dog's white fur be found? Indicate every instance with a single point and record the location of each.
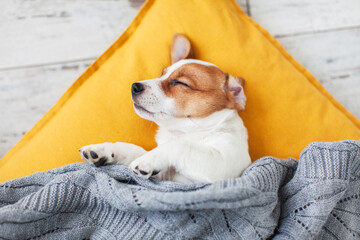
(207, 149)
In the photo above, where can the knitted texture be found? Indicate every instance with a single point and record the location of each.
(317, 197)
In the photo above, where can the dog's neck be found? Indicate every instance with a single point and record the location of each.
(190, 125)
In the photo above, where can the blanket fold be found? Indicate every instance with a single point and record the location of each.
(315, 197)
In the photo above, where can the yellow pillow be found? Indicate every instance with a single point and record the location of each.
(287, 108)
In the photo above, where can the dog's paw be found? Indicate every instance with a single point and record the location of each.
(148, 165)
(97, 154)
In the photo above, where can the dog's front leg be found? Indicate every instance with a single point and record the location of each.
(200, 162)
(111, 153)
(151, 163)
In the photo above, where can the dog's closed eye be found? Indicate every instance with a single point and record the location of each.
(176, 82)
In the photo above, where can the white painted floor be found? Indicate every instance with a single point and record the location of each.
(45, 45)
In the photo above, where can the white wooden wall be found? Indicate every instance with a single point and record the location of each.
(45, 45)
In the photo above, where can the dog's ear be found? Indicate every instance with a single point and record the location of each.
(234, 88)
(180, 48)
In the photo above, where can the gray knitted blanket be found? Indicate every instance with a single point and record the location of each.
(317, 197)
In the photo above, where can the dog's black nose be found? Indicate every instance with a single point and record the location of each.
(137, 88)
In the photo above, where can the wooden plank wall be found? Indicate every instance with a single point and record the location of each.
(46, 45)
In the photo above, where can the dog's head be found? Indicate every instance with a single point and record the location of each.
(188, 88)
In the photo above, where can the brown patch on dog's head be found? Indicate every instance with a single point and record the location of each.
(200, 90)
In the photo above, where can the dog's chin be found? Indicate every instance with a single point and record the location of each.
(146, 114)
(141, 110)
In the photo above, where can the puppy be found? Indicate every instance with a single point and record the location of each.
(201, 137)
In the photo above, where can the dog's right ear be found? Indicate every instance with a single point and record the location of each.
(234, 88)
(180, 48)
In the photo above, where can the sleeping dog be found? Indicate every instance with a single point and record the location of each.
(201, 137)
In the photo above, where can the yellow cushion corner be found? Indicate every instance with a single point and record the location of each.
(287, 108)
